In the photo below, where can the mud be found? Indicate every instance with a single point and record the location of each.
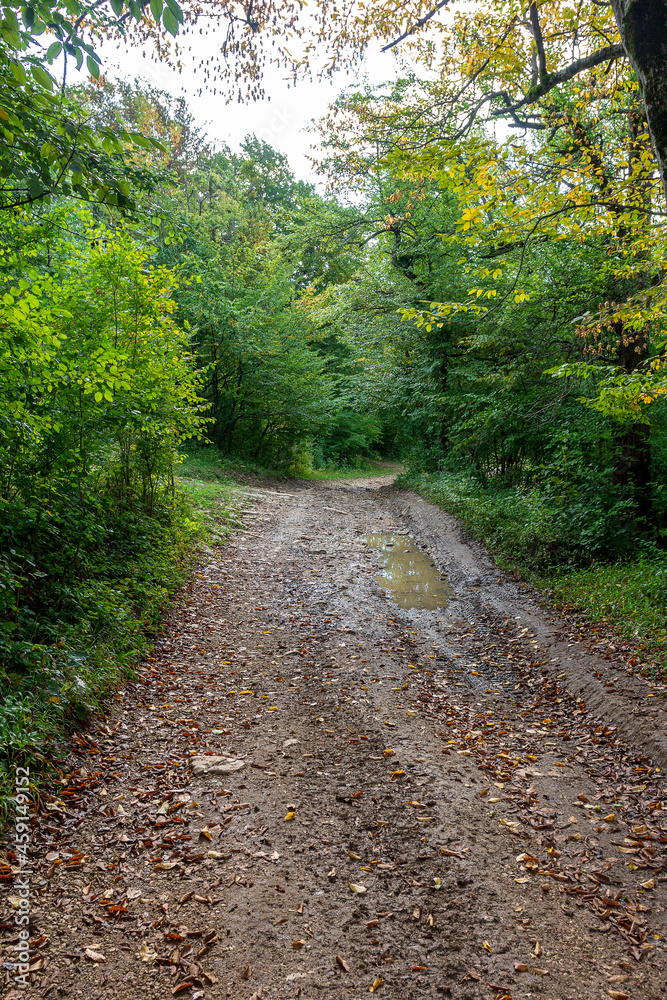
(459, 802)
(407, 574)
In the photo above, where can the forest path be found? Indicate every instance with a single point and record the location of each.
(417, 804)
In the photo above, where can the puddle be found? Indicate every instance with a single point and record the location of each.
(407, 574)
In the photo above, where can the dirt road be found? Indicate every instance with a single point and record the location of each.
(464, 802)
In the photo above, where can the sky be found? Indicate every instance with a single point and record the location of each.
(280, 121)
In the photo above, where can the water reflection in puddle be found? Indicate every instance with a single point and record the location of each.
(407, 574)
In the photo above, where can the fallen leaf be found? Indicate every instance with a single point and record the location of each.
(487, 947)
(94, 956)
(355, 857)
(537, 950)
(147, 953)
(375, 986)
(521, 967)
(343, 964)
(247, 972)
(299, 944)
(356, 888)
(649, 885)
(290, 815)
(617, 995)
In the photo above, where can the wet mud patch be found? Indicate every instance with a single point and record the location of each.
(407, 574)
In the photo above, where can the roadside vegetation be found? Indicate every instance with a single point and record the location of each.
(488, 309)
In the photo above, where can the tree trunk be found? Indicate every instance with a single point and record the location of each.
(632, 466)
(643, 28)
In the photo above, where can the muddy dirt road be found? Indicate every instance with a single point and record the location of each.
(467, 800)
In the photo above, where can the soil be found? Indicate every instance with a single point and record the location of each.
(462, 802)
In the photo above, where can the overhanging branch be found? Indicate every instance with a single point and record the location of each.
(415, 27)
(608, 54)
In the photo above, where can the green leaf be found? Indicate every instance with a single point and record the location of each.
(43, 78)
(174, 7)
(169, 21)
(93, 67)
(156, 9)
(117, 7)
(99, 396)
(140, 140)
(53, 51)
(18, 72)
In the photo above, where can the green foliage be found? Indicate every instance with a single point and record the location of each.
(629, 598)
(537, 529)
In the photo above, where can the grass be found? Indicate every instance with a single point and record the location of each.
(629, 598)
(90, 637)
(208, 464)
(559, 545)
(361, 471)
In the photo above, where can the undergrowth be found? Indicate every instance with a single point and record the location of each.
(585, 556)
(69, 640)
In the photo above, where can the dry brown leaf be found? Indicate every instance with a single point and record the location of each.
(343, 964)
(618, 995)
(355, 887)
(94, 956)
(185, 985)
(537, 950)
(355, 857)
(247, 972)
(487, 947)
(521, 967)
(375, 985)
(299, 944)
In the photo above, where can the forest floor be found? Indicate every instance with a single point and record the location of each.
(463, 802)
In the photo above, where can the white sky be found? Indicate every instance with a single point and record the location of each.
(280, 121)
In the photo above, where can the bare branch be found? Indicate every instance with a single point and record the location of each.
(415, 27)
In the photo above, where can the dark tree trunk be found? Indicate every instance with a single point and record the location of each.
(632, 466)
(643, 28)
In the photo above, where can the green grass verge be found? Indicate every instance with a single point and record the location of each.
(66, 659)
(208, 464)
(630, 598)
(552, 542)
(361, 471)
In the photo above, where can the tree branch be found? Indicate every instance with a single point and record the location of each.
(539, 43)
(608, 54)
(415, 27)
